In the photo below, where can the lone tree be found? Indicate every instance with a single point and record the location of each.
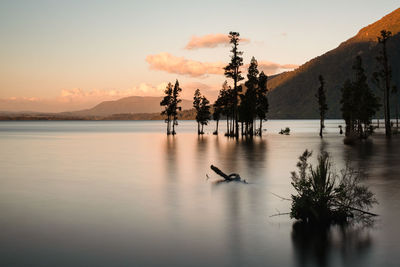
(325, 197)
(166, 102)
(323, 106)
(359, 104)
(202, 107)
(174, 105)
(232, 71)
(196, 105)
(262, 100)
(384, 76)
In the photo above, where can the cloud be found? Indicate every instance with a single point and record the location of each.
(142, 89)
(273, 68)
(210, 41)
(180, 65)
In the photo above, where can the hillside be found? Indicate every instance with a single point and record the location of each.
(293, 93)
(127, 105)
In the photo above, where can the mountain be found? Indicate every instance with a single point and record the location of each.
(127, 105)
(292, 94)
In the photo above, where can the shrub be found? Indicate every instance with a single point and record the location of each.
(325, 197)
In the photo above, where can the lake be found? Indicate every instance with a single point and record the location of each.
(122, 193)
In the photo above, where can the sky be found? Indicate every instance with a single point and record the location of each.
(66, 55)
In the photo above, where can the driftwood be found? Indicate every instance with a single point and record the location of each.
(228, 178)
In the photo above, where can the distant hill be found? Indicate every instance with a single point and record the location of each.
(127, 105)
(292, 93)
(188, 114)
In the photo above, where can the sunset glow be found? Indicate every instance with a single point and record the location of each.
(74, 54)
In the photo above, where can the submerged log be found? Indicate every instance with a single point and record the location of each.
(228, 178)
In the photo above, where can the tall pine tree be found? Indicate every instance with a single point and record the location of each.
(384, 76)
(262, 100)
(174, 105)
(323, 106)
(232, 71)
(166, 102)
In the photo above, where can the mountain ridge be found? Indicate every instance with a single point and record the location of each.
(292, 94)
(127, 105)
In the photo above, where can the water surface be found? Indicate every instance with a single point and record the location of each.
(124, 194)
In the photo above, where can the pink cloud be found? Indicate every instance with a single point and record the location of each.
(210, 41)
(76, 98)
(142, 89)
(180, 65)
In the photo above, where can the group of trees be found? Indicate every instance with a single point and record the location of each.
(202, 107)
(243, 107)
(244, 103)
(170, 102)
(236, 106)
(382, 78)
(359, 104)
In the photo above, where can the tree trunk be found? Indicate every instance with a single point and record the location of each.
(397, 111)
(260, 127)
(227, 124)
(320, 127)
(388, 129)
(233, 124)
(168, 126)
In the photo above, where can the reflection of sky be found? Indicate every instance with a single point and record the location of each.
(115, 196)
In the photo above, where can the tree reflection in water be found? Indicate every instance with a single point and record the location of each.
(330, 246)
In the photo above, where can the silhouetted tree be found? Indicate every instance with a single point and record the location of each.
(166, 102)
(174, 105)
(347, 109)
(262, 100)
(217, 110)
(323, 106)
(232, 71)
(359, 104)
(204, 114)
(396, 92)
(384, 76)
(225, 99)
(196, 105)
(202, 107)
(247, 108)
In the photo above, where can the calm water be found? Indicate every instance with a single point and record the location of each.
(125, 194)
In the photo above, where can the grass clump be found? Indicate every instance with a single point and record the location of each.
(326, 197)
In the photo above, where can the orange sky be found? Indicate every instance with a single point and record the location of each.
(69, 55)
